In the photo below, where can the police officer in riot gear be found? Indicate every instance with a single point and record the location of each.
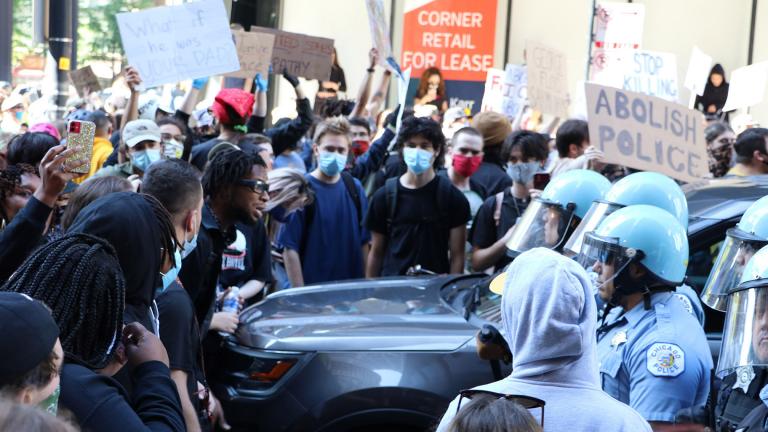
(653, 353)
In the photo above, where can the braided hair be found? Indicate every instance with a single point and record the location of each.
(227, 168)
(10, 180)
(79, 277)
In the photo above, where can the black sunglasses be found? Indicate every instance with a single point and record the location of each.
(257, 186)
(527, 402)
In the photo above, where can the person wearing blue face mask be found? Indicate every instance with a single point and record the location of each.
(143, 147)
(333, 222)
(176, 184)
(419, 218)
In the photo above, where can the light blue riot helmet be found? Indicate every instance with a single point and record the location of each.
(648, 188)
(550, 218)
(640, 234)
(745, 334)
(741, 242)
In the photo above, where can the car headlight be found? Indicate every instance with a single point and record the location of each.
(257, 371)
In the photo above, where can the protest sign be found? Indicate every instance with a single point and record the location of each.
(515, 91)
(747, 86)
(547, 84)
(648, 72)
(302, 55)
(254, 50)
(698, 71)
(646, 132)
(619, 25)
(379, 30)
(493, 93)
(456, 36)
(85, 81)
(172, 43)
(402, 93)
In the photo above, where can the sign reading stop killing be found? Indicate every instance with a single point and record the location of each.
(647, 133)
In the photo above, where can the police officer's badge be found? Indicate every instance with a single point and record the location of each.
(665, 360)
(744, 377)
(618, 339)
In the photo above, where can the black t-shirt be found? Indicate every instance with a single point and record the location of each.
(493, 178)
(180, 335)
(484, 231)
(199, 154)
(247, 258)
(418, 236)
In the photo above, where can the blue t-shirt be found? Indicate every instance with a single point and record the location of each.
(335, 237)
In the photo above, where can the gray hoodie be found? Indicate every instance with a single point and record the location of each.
(550, 319)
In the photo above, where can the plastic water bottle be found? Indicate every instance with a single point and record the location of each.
(231, 302)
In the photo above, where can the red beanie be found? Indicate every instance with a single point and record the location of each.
(232, 106)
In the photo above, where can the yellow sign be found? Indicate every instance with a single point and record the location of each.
(64, 63)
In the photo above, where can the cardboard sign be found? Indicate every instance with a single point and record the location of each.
(173, 43)
(647, 133)
(85, 81)
(254, 50)
(619, 25)
(377, 22)
(547, 83)
(494, 86)
(302, 55)
(648, 72)
(747, 86)
(698, 71)
(456, 36)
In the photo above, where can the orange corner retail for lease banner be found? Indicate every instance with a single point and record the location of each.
(456, 36)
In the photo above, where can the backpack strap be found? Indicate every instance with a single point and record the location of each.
(309, 216)
(390, 189)
(497, 208)
(349, 183)
(444, 190)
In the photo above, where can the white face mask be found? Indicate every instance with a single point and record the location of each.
(189, 245)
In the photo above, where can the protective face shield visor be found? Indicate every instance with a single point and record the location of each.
(543, 224)
(745, 335)
(598, 211)
(737, 249)
(604, 258)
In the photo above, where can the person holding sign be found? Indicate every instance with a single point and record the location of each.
(751, 153)
(715, 94)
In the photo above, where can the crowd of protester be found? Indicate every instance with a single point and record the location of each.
(113, 280)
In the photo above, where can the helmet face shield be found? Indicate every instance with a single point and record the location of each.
(745, 335)
(605, 259)
(543, 224)
(735, 252)
(598, 211)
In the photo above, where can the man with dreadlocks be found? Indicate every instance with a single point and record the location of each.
(236, 190)
(79, 277)
(26, 203)
(140, 230)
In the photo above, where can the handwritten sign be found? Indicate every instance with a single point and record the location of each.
(255, 53)
(747, 86)
(648, 72)
(377, 22)
(456, 36)
(619, 25)
(506, 90)
(646, 132)
(85, 81)
(172, 43)
(302, 55)
(494, 86)
(547, 83)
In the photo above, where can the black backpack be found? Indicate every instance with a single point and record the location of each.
(444, 190)
(309, 211)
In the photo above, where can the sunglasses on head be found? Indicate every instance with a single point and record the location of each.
(257, 186)
(526, 402)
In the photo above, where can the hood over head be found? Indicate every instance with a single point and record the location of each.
(549, 317)
(127, 221)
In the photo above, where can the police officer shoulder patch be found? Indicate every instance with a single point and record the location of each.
(665, 360)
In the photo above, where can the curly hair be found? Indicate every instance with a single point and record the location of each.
(427, 129)
(10, 181)
(226, 168)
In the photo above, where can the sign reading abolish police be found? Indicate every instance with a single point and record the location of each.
(172, 43)
(646, 132)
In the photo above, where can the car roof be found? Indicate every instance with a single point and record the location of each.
(724, 198)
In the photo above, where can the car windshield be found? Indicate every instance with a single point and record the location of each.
(474, 296)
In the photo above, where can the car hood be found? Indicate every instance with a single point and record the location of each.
(389, 314)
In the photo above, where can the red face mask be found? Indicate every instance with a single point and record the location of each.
(359, 147)
(466, 165)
